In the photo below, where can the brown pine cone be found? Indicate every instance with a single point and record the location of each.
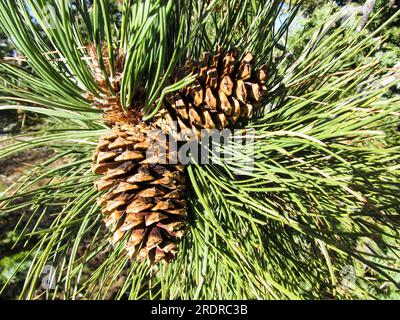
(144, 199)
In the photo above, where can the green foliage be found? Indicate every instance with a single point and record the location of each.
(388, 55)
(13, 263)
(11, 267)
(316, 11)
(323, 192)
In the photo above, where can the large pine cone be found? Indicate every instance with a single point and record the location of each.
(225, 90)
(144, 198)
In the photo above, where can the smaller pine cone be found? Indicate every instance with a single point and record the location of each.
(108, 99)
(226, 89)
(144, 197)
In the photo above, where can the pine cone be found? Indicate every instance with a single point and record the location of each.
(108, 99)
(225, 90)
(144, 198)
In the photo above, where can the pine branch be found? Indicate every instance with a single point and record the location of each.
(322, 192)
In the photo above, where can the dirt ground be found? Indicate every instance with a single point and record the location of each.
(11, 168)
